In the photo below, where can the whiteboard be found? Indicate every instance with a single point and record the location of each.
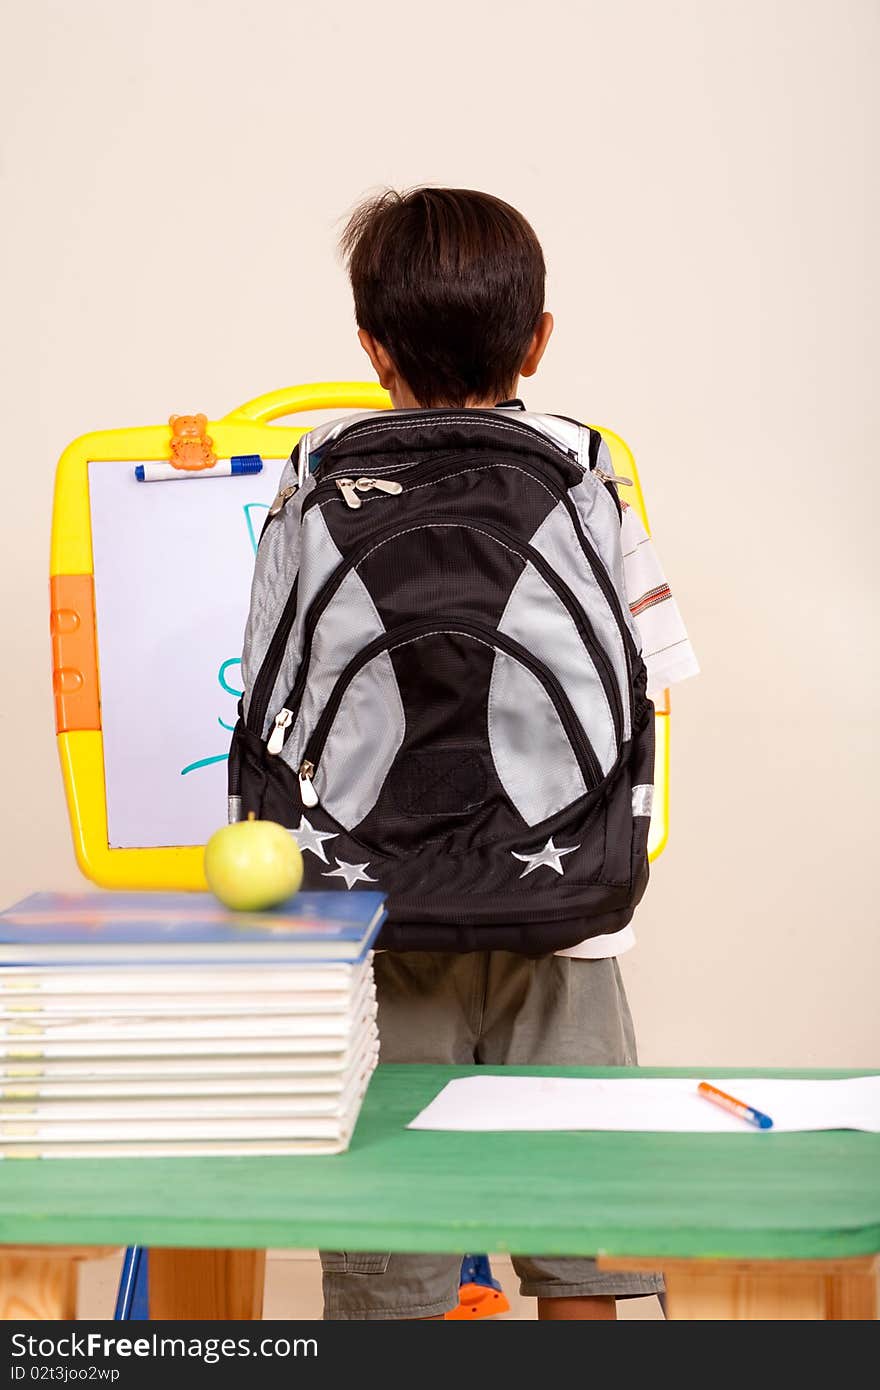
(173, 563)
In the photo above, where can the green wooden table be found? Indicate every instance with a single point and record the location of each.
(740, 1224)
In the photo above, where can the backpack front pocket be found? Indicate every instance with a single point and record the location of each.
(439, 730)
(536, 609)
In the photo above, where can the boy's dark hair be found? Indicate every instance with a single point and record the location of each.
(451, 283)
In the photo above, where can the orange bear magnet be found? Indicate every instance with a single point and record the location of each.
(191, 447)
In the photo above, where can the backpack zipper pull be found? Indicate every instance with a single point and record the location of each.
(347, 488)
(276, 738)
(612, 478)
(307, 785)
(381, 484)
(281, 500)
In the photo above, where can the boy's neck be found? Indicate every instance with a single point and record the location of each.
(404, 401)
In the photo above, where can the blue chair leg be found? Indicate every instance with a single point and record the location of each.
(132, 1299)
(475, 1269)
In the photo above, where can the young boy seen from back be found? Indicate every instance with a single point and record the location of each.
(479, 626)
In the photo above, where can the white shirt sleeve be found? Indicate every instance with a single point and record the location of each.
(666, 647)
(667, 653)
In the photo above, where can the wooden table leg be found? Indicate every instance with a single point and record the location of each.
(39, 1281)
(207, 1284)
(765, 1290)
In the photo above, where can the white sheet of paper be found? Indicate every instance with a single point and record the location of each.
(668, 1104)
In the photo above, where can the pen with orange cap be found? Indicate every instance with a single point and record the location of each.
(734, 1106)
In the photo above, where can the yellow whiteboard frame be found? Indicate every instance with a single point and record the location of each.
(245, 430)
(624, 466)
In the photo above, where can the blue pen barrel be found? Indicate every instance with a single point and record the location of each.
(240, 465)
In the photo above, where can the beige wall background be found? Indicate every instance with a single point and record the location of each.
(703, 176)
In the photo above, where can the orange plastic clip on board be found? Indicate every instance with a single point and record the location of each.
(87, 647)
(74, 652)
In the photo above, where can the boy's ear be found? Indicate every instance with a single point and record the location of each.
(540, 339)
(382, 364)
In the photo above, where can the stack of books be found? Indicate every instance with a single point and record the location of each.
(161, 1024)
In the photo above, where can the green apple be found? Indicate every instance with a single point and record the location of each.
(253, 864)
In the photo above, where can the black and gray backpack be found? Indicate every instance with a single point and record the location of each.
(444, 697)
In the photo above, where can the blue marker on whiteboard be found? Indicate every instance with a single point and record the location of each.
(241, 465)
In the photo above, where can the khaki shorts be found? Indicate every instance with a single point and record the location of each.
(499, 1009)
